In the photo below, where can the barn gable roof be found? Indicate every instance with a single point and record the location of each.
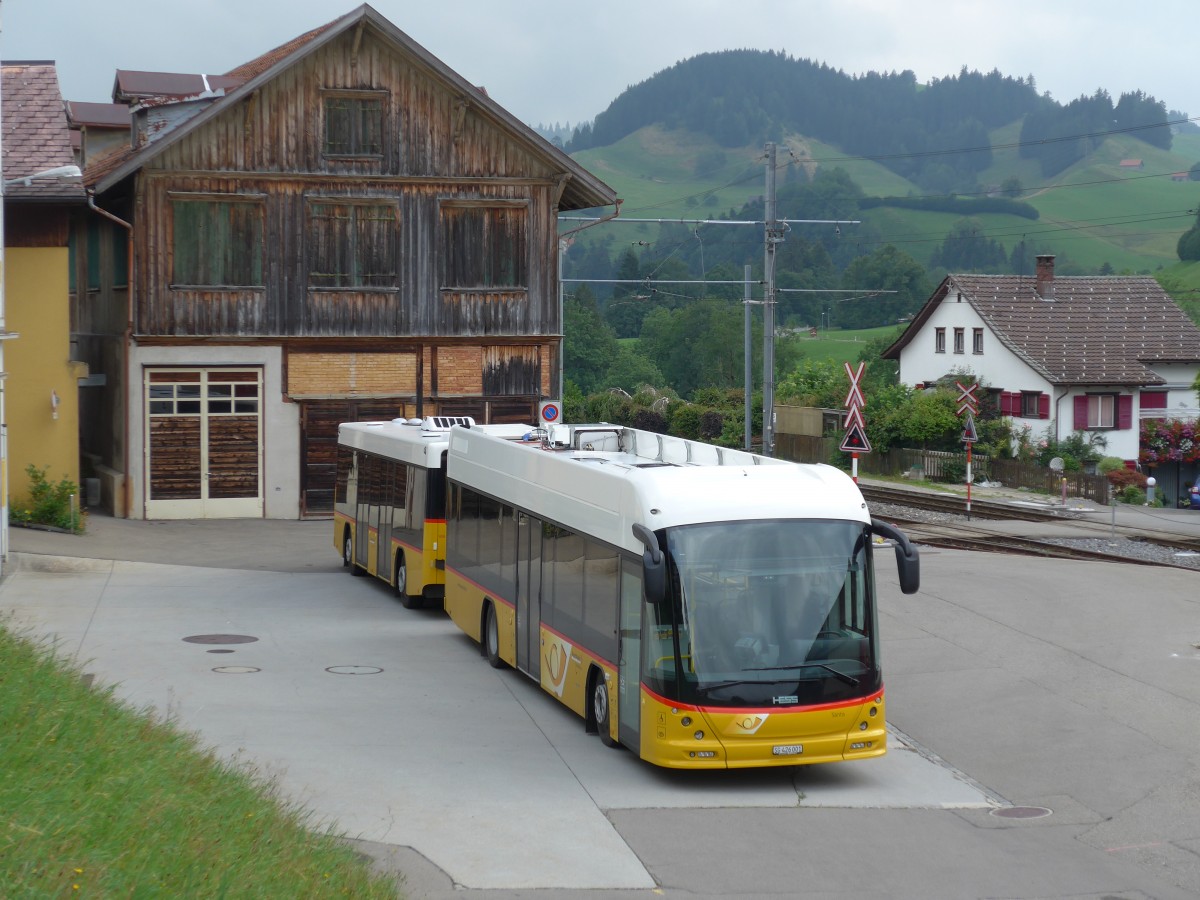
(581, 189)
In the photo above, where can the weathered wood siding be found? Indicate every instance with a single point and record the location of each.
(438, 149)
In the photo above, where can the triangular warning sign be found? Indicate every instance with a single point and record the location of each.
(969, 435)
(856, 439)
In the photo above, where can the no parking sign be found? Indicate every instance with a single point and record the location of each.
(549, 412)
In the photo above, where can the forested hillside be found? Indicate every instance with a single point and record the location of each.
(969, 173)
(741, 97)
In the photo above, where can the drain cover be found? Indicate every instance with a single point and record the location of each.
(221, 639)
(1021, 812)
(236, 670)
(218, 651)
(353, 670)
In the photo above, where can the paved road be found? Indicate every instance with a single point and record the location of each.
(1014, 683)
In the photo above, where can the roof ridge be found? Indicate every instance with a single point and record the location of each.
(260, 64)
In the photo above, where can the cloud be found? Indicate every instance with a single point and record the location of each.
(548, 61)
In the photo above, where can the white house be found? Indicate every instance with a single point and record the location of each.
(1061, 354)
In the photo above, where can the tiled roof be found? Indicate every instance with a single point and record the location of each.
(102, 115)
(34, 135)
(260, 64)
(132, 85)
(1095, 330)
(97, 168)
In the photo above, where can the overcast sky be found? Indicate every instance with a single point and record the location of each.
(565, 62)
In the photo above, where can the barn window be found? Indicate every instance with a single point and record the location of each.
(485, 245)
(217, 241)
(354, 124)
(353, 245)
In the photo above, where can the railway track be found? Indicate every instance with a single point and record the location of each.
(980, 509)
(961, 535)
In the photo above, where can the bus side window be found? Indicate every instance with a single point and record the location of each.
(345, 466)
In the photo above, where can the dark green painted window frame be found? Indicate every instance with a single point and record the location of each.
(217, 241)
(485, 244)
(353, 243)
(353, 123)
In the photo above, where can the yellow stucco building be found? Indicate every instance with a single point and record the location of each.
(41, 393)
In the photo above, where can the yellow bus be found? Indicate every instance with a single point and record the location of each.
(703, 607)
(390, 502)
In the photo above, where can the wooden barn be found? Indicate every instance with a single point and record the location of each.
(341, 229)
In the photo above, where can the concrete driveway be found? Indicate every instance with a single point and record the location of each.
(1038, 684)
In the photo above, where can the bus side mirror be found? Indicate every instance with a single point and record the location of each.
(654, 566)
(908, 563)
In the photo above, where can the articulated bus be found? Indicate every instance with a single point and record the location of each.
(390, 502)
(704, 607)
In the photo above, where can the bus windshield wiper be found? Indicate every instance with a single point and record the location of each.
(841, 676)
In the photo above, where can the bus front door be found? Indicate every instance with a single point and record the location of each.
(529, 594)
(629, 678)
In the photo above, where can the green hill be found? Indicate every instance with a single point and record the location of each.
(1093, 213)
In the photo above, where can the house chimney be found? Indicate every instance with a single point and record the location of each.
(1045, 277)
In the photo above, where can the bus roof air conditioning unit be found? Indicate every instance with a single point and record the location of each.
(445, 423)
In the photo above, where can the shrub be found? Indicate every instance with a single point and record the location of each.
(711, 424)
(648, 420)
(954, 471)
(1123, 478)
(1132, 494)
(685, 420)
(1110, 464)
(50, 503)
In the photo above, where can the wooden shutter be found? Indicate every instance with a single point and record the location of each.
(1081, 408)
(1154, 399)
(1125, 411)
(1044, 406)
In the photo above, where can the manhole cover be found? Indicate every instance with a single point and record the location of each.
(236, 670)
(1021, 812)
(221, 639)
(354, 670)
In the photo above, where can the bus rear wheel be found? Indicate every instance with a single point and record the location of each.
(491, 637)
(348, 555)
(601, 709)
(407, 600)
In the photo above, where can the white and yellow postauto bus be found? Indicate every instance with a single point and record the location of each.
(390, 502)
(704, 607)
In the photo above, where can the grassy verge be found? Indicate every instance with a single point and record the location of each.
(98, 799)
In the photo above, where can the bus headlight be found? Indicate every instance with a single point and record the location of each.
(699, 735)
(862, 726)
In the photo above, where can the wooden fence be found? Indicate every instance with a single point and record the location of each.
(936, 465)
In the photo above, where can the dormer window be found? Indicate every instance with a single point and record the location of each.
(354, 123)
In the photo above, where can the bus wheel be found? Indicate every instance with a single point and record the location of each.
(600, 709)
(407, 600)
(348, 555)
(491, 637)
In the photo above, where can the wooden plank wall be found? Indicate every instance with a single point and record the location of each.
(437, 148)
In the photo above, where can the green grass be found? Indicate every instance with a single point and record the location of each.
(100, 800)
(843, 346)
(653, 171)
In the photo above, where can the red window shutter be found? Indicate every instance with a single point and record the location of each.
(1154, 399)
(1043, 406)
(1125, 411)
(1006, 403)
(1081, 405)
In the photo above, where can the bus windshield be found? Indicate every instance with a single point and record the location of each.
(771, 613)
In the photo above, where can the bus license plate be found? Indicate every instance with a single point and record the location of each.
(788, 749)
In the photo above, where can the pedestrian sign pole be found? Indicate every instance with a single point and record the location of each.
(970, 406)
(855, 440)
